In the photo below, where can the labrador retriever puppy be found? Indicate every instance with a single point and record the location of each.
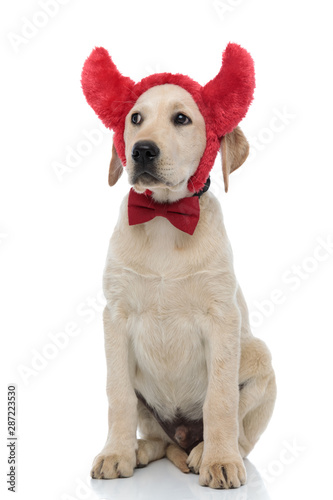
(183, 367)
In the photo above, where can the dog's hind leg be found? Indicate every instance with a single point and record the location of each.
(178, 457)
(257, 393)
(156, 443)
(153, 443)
(195, 458)
(149, 450)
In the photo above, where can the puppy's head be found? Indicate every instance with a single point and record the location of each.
(168, 128)
(165, 137)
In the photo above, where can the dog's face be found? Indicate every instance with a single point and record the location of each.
(165, 138)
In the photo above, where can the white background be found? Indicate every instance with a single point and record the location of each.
(54, 231)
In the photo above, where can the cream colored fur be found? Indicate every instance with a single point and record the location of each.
(176, 322)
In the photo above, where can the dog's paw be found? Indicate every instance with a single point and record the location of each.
(178, 457)
(111, 466)
(195, 458)
(223, 474)
(142, 453)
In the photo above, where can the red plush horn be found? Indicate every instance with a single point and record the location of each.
(105, 88)
(230, 93)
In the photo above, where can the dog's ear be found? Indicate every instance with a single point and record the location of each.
(234, 151)
(116, 167)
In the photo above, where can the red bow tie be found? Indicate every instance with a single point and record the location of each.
(183, 214)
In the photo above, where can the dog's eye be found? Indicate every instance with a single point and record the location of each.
(181, 119)
(136, 118)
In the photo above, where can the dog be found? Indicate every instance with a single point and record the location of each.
(183, 367)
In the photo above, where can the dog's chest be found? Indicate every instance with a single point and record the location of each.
(165, 325)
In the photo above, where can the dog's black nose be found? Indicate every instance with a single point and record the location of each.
(145, 152)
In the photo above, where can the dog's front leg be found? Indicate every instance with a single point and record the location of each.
(118, 457)
(222, 466)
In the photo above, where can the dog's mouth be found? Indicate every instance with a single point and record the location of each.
(147, 179)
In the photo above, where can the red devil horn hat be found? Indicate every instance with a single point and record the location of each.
(223, 101)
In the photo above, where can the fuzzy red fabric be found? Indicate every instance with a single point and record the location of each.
(223, 101)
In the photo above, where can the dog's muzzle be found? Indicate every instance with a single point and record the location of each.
(144, 154)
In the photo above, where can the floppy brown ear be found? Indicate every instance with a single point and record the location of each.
(234, 150)
(116, 167)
